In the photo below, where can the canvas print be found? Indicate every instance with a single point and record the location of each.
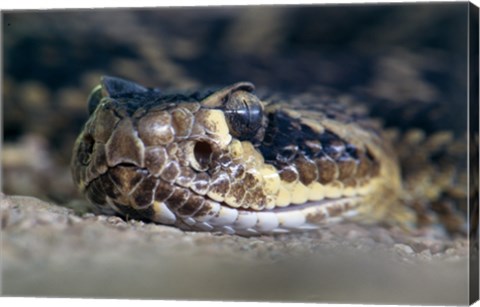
(286, 153)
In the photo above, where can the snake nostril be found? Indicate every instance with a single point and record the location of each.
(203, 153)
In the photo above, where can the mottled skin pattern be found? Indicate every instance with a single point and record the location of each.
(228, 160)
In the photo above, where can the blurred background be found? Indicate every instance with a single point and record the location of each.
(386, 55)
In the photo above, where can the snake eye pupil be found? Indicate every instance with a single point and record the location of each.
(244, 114)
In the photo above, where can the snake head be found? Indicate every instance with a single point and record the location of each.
(160, 155)
(223, 160)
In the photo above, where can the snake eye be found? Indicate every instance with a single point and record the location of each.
(244, 113)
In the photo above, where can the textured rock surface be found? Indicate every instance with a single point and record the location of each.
(48, 250)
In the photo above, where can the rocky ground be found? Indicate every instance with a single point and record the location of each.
(51, 250)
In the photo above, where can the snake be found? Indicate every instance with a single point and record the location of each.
(235, 160)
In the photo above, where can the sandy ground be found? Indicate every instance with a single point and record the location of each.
(54, 251)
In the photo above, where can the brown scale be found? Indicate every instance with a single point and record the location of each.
(144, 193)
(182, 122)
(258, 201)
(172, 150)
(191, 206)
(220, 184)
(340, 166)
(250, 181)
(103, 132)
(200, 184)
(250, 198)
(155, 128)
(170, 172)
(307, 170)
(182, 154)
(327, 170)
(316, 217)
(347, 169)
(124, 145)
(186, 177)
(164, 191)
(178, 198)
(206, 209)
(289, 174)
(126, 178)
(335, 210)
(197, 131)
(237, 191)
(155, 158)
(111, 190)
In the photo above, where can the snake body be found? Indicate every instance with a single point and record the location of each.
(226, 160)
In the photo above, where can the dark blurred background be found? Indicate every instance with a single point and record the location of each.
(405, 60)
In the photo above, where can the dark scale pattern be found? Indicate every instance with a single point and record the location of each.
(289, 141)
(164, 191)
(191, 206)
(307, 170)
(178, 198)
(143, 195)
(107, 184)
(282, 131)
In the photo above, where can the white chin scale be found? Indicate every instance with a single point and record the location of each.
(293, 218)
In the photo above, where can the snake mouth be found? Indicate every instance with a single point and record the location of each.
(127, 188)
(248, 222)
(294, 217)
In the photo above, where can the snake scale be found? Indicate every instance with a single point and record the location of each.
(239, 162)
